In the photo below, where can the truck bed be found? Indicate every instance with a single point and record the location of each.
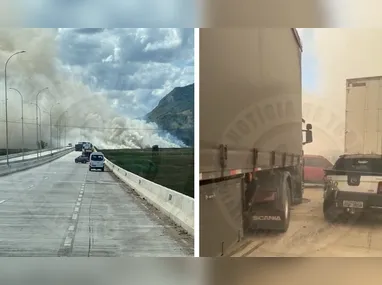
(250, 100)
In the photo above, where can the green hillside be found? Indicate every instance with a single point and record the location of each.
(175, 114)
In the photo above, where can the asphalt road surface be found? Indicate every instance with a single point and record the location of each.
(62, 209)
(309, 235)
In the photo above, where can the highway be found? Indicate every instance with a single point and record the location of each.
(309, 235)
(62, 209)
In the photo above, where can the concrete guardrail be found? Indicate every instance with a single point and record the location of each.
(21, 165)
(20, 154)
(178, 207)
(47, 153)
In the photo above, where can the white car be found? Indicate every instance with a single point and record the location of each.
(97, 161)
(352, 186)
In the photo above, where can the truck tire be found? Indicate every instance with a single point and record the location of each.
(286, 199)
(103, 169)
(297, 198)
(331, 213)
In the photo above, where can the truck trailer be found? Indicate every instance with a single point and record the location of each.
(251, 133)
(78, 146)
(363, 116)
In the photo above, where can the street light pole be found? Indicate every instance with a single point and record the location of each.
(47, 112)
(6, 103)
(39, 111)
(22, 118)
(66, 125)
(50, 124)
(38, 143)
(57, 135)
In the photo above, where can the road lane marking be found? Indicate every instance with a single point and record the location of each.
(185, 242)
(2, 201)
(66, 248)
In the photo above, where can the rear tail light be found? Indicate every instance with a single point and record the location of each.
(379, 190)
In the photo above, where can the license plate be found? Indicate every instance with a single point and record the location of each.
(353, 204)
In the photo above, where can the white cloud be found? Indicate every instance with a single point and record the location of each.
(121, 60)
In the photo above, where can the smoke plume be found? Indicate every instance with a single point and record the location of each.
(80, 115)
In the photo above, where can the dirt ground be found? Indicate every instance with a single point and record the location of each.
(309, 235)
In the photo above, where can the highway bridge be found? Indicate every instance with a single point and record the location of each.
(62, 209)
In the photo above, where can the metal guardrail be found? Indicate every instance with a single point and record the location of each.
(30, 163)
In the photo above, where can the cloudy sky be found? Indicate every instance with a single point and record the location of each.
(98, 13)
(134, 67)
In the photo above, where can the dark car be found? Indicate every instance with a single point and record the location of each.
(81, 159)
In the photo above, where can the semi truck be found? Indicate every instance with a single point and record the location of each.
(87, 149)
(251, 133)
(78, 146)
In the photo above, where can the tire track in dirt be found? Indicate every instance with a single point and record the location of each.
(308, 233)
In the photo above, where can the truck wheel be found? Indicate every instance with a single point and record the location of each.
(297, 198)
(331, 213)
(286, 202)
(102, 169)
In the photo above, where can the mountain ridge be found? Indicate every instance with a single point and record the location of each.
(175, 114)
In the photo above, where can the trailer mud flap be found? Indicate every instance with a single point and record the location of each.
(274, 215)
(266, 218)
(221, 220)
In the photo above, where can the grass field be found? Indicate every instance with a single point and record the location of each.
(172, 168)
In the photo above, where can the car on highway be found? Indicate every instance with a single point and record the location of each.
(353, 186)
(81, 159)
(314, 166)
(97, 161)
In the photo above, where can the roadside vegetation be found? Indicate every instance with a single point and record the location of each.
(172, 168)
